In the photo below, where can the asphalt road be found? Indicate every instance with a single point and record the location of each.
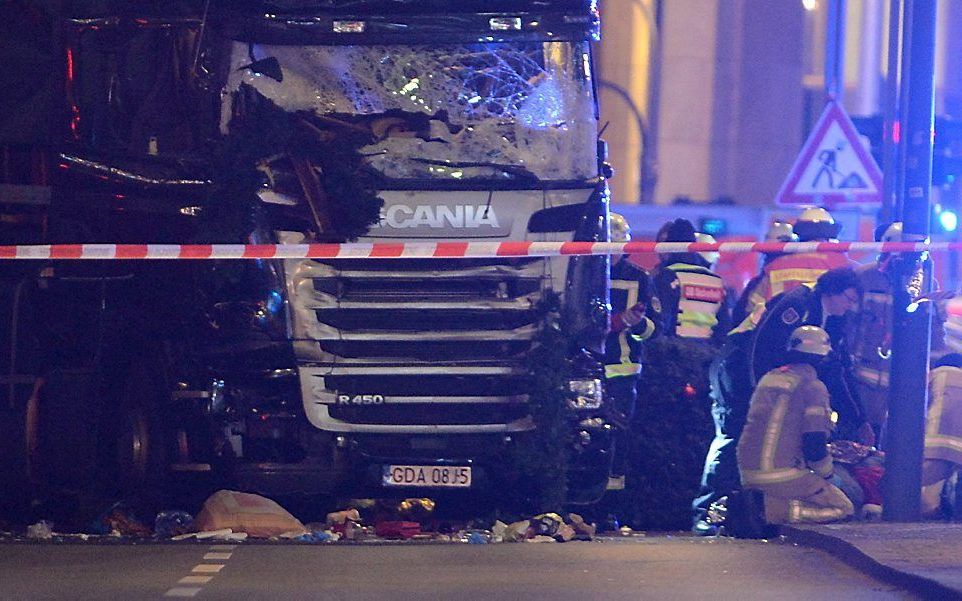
(637, 568)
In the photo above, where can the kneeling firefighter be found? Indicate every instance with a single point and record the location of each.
(783, 451)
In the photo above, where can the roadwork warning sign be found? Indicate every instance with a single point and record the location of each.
(834, 168)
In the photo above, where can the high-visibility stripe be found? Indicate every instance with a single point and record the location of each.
(944, 442)
(772, 476)
(773, 432)
(622, 369)
(871, 376)
(693, 331)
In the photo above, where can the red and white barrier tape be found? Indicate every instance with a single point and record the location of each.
(435, 250)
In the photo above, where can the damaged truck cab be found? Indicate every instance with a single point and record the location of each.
(375, 121)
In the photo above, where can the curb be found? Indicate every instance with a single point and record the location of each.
(858, 559)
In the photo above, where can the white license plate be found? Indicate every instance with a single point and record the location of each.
(430, 476)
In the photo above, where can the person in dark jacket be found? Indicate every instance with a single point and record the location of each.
(755, 347)
(689, 298)
(826, 305)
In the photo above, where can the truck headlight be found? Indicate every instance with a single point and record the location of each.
(585, 394)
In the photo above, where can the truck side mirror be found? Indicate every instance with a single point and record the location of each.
(565, 218)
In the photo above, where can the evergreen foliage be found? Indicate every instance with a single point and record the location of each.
(540, 457)
(671, 431)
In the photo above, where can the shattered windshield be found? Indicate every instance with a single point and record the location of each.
(509, 111)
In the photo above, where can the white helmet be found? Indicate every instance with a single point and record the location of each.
(810, 339)
(618, 226)
(779, 231)
(710, 256)
(815, 223)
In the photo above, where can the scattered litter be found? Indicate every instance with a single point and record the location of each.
(320, 536)
(540, 538)
(416, 510)
(397, 529)
(168, 524)
(42, 530)
(249, 513)
(517, 531)
(224, 534)
(477, 538)
(581, 527)
(120, 520)
(339, 517)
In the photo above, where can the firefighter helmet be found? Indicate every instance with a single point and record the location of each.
(779, 231)
(710, 256)
(810, 339)
(620, 230)
(816, 223)
(893, 233)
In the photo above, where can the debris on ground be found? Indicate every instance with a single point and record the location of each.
(224, 535)
(394, 529)
(258, 516)
(417, 510)
(120, 520)
(169, 524)
(232, 516)
(42, 530)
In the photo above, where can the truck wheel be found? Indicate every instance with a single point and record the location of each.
(142, 439)
(60, 440)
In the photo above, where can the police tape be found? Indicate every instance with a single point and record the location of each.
(437, 250)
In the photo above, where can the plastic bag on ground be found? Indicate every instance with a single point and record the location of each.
(244, 512)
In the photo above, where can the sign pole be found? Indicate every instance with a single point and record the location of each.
(911, 330)
(835, 51)
(891, 126)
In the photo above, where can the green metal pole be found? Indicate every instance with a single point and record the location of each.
(911, 328)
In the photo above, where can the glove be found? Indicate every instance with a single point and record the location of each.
(823, 467)
(628, 318)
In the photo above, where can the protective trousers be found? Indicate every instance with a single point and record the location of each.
(622, 396)
(806, 498)
(731, 393)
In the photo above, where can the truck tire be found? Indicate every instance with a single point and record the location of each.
(142, 439)
(60, 440)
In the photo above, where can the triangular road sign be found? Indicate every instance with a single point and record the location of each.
(834, 167)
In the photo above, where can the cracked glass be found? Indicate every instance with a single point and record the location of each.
(511, 111)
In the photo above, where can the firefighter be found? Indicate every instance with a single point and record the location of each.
(872, 337)
(630, 326)
(943, 431)
(783, 449)
(778, 231)
(753, 348)
(689, 298)
(792, 270)
(826, 304)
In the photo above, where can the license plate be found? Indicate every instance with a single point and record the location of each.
(430, 476)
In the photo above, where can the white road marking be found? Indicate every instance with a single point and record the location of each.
(202, 573)
(182, 591)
